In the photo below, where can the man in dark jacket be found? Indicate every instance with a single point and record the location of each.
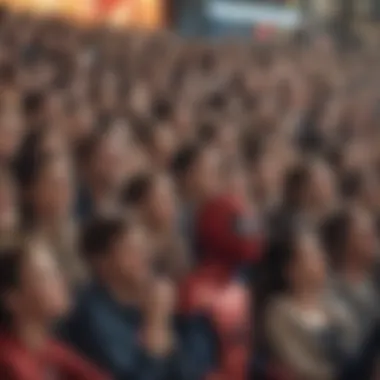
(125, 320)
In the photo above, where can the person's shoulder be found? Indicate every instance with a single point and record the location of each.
(14, 362)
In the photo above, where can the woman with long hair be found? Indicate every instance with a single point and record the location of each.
(33, 296)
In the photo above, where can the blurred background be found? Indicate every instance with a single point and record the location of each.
(189, 189)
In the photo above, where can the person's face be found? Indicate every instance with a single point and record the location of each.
(362, 241)
(322, 187)
(205, 176)
(131, 259)
(52, 193)
(42, 293)
(81, 125)
(308, 269)
(165, 145)
(267, 179)
(54, 144)
(161, 202)
(109, 164)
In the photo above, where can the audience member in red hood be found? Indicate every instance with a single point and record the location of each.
(33, 295)
(229, 240)
(229, 234)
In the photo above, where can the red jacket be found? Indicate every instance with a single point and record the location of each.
(57, 361)
(226, 302)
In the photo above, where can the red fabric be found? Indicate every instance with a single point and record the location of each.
(218, 236)
(17, 363)
(227, 304)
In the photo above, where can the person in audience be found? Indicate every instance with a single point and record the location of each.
(47, 185)
(125, 321)
(152, 199)
(103, 170)
(197, 171)
(309, 332)
(351, 241)
(33, 296)
(218, 284)
(309, 194)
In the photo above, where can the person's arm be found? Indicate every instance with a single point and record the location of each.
(121, 350)
(292, 348)
(198, 348)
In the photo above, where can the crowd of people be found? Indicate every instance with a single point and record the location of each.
(177, 209)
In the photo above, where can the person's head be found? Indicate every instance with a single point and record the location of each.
(153, 197)
(295, 184)
(350, 239)
(80, 124)
(321, 187)
(160, 142)
(47, 188)
(34, 107)
(304, 265)
(197, 169)
(309, 186)
(222, 137)
(103, 161)
(32, 289)
(117, 251)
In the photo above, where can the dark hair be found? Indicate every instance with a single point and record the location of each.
(185, 159)
(137, 189)
(98, 235)
(146, 133)
(8, 72)
(29, 160)
(217, 101)
(272, 279)
(334, 233)
(252, 147)
(207, 133)
(351, 184)
(162, 109)
(10, 264)
(88, 147)
(28, 167)
(33, 103)
(296, 180)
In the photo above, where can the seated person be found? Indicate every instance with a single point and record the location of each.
(33, 296)
(228, 245)
(306, 331)
(125, 320)
(351, 241)
(152, 200)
